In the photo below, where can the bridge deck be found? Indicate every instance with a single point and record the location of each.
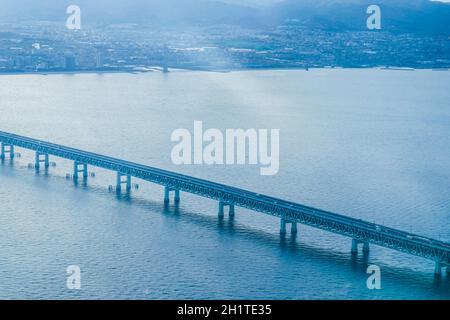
(356, 229)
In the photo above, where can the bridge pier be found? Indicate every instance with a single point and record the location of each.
(166, 194)
(231, 210)
(222, 205)
(167, 191)
(4, 151)
(354, 246)
(39, 160)
(284, 222)
(294, 227)
(438, 268)
(120, 182)
(77, 170)
(355, 243)
(366, 247)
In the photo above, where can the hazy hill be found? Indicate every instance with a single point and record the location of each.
(397, 15)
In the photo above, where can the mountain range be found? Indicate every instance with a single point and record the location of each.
(402, 16)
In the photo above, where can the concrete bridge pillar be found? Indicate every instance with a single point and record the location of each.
(284, 222)
(354, 246)
(222, 205)
(120, 182)
(166, 194)
(355, 243)
(294, 227)
(438, 268)
(167, 191)
(221, 210)
(77, 170)
(366, 247)
(4, 151)
(282, 226)
(39, 160)
(231, 210)
(177, 196)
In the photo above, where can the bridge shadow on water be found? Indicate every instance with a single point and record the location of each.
(289, 244)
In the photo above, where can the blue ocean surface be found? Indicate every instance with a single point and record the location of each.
(367, 143)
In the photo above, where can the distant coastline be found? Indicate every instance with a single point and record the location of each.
(201, 69)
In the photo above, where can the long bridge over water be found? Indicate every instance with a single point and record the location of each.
(289, 213)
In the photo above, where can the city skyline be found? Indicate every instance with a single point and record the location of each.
(292, 41)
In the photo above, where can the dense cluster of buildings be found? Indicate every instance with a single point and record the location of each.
(50, 47)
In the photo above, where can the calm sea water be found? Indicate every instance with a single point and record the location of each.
(372, 144)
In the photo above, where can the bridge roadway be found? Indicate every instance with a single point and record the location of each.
(361, 232)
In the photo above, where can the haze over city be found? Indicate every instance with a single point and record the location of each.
(212, 35)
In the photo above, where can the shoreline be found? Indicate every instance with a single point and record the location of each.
(158, 70)
(42, 73)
